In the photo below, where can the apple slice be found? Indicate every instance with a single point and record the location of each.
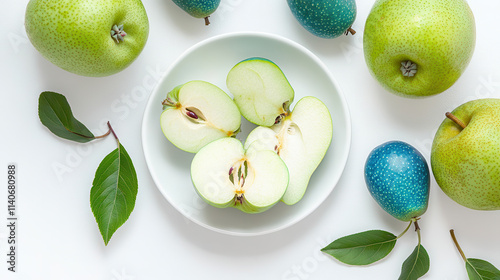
(197, 113)
(301, 139)
(260, 89)
(225, 176)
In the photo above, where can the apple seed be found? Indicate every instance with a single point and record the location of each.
(194, 114)
(191, 114)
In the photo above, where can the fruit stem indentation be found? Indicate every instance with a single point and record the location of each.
(117, 33)
(455, 119)
(408, 68)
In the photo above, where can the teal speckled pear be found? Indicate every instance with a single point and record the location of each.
(397, 176)
(325, 18)
(198, 8)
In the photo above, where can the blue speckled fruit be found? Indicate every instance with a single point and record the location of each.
(198, 8)
(325, 18)
(397, 176)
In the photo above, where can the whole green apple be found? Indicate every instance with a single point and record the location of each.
(465, 155)
(419, 48)
(88, 37)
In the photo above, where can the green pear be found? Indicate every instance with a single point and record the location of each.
(419, 48)
(88, 37)
(465, 155)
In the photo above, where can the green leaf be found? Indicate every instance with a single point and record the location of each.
(55, 113)
(362, 248)
(113, 193)
(481, 270)
(416, 265)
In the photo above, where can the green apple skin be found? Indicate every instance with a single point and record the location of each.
(265, 176)
(466, 162)
(76, 34)
(438, 35)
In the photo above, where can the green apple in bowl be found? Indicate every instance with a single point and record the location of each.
(419, 48)
(465, 154)
(225, 175)
(197, 113)
(301, 139)
(260, 89)
(88, 37)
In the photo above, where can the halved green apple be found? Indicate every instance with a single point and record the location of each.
(301, 138)
(197, 113)
(260, 89)
(224, 175)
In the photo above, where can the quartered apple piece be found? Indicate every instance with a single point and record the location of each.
(301, 139)
(260, 89)
(224, 175)
(197, 113)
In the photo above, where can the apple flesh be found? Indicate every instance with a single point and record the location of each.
(301, 138)
(197, 113)
(88, 37)
(224, 175)
(465, 160)
(419, 48)
(260, 89)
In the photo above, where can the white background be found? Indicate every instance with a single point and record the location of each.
(57, 234)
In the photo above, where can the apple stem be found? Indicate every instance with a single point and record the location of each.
(207, 22)
(350, 31)
(452, 233)
(117, 33)
(408, 68)
(455, 119)
(417, 227)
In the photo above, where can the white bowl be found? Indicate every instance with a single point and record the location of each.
(211, 60)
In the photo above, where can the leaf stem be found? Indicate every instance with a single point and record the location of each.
(104, 135)
(406, 229)
(452, 233)
(417, 229)
(112, 131)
